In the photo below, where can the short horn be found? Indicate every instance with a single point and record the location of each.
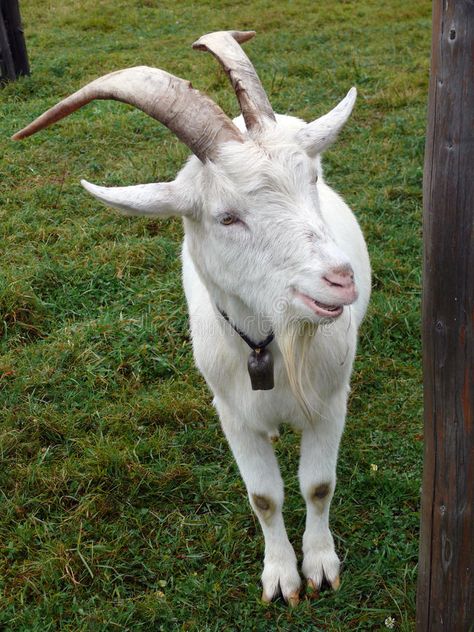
(195, 119)
(254, 104)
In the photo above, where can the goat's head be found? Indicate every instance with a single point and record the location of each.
(249, 196)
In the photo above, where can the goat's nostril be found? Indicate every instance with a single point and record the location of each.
(332, 281)
(341, 278)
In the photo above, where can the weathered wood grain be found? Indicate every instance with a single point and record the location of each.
(445, 585)
(7, 67)
(12, 41)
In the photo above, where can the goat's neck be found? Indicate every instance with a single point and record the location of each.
(254, 326)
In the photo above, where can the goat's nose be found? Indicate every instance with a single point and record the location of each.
(341, 281)
(340, 277)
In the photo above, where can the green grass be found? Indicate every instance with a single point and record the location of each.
(120, 504)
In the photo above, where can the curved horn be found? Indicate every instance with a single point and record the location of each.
(195, 119)
(254, 103)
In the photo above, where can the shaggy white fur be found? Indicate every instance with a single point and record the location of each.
(270, 244)
(288, 231)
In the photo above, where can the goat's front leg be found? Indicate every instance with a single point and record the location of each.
(258, 466)
(317, 474)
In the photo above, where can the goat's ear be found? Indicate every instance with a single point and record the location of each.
(161, 199)
(321, 133)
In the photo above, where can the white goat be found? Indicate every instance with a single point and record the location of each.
(273, 259)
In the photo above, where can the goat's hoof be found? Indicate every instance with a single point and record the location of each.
(321, 566)
(294, 599)
(336, 583)
(312, 590)
(281, 579)
(266, 599)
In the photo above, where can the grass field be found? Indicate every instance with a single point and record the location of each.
(120, 504)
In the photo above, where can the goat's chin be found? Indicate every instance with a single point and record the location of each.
(295, 338)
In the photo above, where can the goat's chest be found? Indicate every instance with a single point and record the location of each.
(225, 369)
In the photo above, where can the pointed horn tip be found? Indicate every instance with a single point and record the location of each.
(239, 36)
(243, 36)
(18, 135)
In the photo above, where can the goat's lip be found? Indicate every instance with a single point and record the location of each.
(321, 309)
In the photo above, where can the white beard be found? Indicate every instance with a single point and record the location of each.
(295, 339)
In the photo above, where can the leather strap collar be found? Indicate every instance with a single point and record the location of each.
(256, 346)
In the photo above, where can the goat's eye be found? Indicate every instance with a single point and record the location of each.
(228, 219)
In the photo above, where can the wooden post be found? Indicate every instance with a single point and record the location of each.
(13, 55)
(445, 598)
(7, 67)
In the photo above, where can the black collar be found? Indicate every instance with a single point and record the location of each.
(260, 360)
(256, 346)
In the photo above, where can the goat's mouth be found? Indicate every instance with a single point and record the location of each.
(321, 309)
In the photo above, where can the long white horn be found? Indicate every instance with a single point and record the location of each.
(192, 116)
(254, 104)
(318, 135)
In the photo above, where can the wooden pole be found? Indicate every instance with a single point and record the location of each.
(7, 66)
(12, 40)
(446, 567)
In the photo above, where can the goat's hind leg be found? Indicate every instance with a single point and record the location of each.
(258, 466)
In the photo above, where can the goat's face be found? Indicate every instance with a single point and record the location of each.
(257, 233)
(250, 202)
